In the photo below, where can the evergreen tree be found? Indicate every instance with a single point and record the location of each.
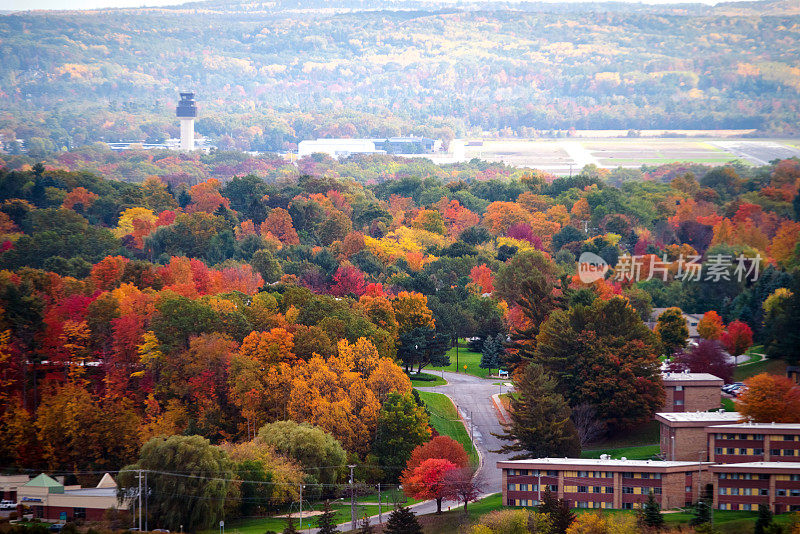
(326, 522)
(702, 513)
(540, 419)
(548, 502)
(403, 521)
(764, 519)
(489, 354)
(652, 516)
(561, 517)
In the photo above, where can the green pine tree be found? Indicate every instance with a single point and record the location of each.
(326, 522)
(540, 419)
(652, 516)
(403, 521)
(702, 513)
(489, 354)
(764, 519)
(561, 517)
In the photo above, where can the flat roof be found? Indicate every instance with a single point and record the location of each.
(758, 466)
(697, 417)
(760, 427)
(688, 377)
(597, 462)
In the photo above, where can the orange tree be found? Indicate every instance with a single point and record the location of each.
(770, 399)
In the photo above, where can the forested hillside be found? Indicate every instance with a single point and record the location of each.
(267, 76)
(215, 308)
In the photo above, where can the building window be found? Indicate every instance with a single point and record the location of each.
(781, 493)
(582, 489)
(688, 489)
(656, 491)
(552, 473)
(763, 491)
(717, 450)
(627, 506)
(627, 489)
(794, 493)
(553, 487)
(723, 506)
(678, 388)
(79, 513)
(679, 402)
(745, 507)
(583, 474)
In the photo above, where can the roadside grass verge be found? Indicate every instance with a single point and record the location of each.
(426, 380)
(444, 419)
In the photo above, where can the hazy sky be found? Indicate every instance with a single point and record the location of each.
(93, 4)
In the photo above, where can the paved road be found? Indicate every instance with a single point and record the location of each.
(473, 397)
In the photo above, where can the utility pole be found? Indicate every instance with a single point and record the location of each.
(301, 507)
(145, 502)
(139, 476)
(380, 515)
(352, 499)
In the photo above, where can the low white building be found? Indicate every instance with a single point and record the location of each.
(337, 148)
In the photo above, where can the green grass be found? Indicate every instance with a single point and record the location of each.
(435, 380)
(642, 452)
(728, 404)
(259, 525)
(646, 434)
(444, 419)
(775, 367)
(465, 357)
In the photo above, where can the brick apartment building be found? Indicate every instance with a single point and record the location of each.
(754, 442)
(603, 483)
(683, 435)
(744, 486)
(691, 392)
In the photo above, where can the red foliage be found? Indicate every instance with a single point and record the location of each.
(705, 357)
(348, 280)
(738, 338)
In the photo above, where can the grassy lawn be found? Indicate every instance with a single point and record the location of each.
(728, 404)
(465, 357)
(429, 380)
(646, 434)
(775, 367)
(444, 419)
(260, 525)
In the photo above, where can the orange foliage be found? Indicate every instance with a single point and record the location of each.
(458, 218)
(710, 326)
(206, 196)
(500, 216)
(770, 399)
(279, 226)
(269, 348)
(79, 195)
(783, 244)
(107, 273)
(482, 276)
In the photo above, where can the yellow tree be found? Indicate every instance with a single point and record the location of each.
(411, 310)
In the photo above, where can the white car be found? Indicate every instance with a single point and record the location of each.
(8, 505)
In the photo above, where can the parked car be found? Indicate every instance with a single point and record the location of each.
(8, 505)
(728, 388)
(56, 527)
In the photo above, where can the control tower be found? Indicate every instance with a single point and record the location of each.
(186, 112)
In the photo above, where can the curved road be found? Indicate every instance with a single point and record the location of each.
(473, 398)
